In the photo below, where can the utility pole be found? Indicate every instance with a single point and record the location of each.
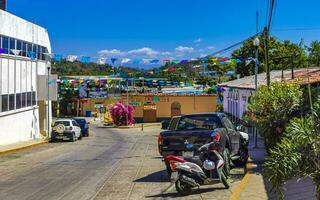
(266, 54)
(256, 44)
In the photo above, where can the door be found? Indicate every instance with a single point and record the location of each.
(149, 113)
(149, 116)
(77, 128)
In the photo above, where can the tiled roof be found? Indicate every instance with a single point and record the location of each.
(299, 74)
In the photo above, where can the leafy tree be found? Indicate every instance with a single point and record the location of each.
(298, 154)
(282, 55)
(272, 109)
(220, 68)
(314, 53)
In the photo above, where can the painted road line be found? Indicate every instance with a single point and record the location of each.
(236, 194)
(23, 147)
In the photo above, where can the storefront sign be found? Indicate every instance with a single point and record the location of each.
(136, 104)
(97, 105)
(149, 107)
(102, 109)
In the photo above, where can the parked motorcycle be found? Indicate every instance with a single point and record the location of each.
(205, 169)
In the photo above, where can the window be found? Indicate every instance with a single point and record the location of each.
(227, 123)
(173, 124)
(18, 101)
(35, 50)
(74, 123)
(34, 99)
(4, 105)
(29, 99)
(12, 102)
(24, 100)
(8, 44)
(29, 49)
(5, 44)
(12, 45)
(65, 123)
(24, 49)
(203, 122)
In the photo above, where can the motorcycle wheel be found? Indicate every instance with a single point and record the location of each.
(183, 188)
(224, 180)
(244, 155)
(226, 157)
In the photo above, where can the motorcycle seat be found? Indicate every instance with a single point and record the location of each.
(195, 160)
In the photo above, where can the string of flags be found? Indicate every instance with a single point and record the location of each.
(213, 60)
(86, 59)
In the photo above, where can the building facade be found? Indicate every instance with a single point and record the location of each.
(24, 48)
(158, 107)
(238, 92)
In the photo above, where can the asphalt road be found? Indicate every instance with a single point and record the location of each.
(64, 170)
(110, 164)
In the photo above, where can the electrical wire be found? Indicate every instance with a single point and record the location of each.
(233, 45)
(296, 29)
(272, 8)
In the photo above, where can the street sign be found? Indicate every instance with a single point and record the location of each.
(102, 109)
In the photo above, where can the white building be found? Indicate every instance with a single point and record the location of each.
(238, 92)
(22, 62)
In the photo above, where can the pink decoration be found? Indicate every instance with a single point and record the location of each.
(120, 113)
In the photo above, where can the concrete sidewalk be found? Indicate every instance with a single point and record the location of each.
(257, 187)
(5, 149)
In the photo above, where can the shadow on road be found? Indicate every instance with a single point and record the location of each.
(160, 176)
(174, 194)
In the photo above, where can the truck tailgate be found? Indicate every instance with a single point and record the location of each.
(177, 140)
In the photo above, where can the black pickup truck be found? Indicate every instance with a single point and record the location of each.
(199, 129)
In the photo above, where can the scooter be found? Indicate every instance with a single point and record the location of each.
(192, 172)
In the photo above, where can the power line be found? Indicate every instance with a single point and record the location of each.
(296, 29)
(271, 14)
(233, 45)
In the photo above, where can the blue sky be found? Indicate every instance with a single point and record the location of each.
(161, 29)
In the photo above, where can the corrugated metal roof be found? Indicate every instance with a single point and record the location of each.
(299, 74)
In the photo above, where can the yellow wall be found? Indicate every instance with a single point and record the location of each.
(189, 104)
(91, 103)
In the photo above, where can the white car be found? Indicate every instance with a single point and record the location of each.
(66, 129)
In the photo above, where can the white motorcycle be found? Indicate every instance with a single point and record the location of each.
(205, 169)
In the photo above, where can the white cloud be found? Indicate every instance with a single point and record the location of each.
(125, 60)
(144, 51)
(166, 53)
(198, 40)
(203, 55)
(211, 47)
(183, 49)
(110, 52)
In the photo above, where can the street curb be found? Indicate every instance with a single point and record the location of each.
(23, 148)
(138, 126)
(243, 183)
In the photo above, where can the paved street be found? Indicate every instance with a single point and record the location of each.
(110, 164)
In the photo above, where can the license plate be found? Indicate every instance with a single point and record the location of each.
(187, 154)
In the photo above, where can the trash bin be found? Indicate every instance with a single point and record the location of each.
(88, 113)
